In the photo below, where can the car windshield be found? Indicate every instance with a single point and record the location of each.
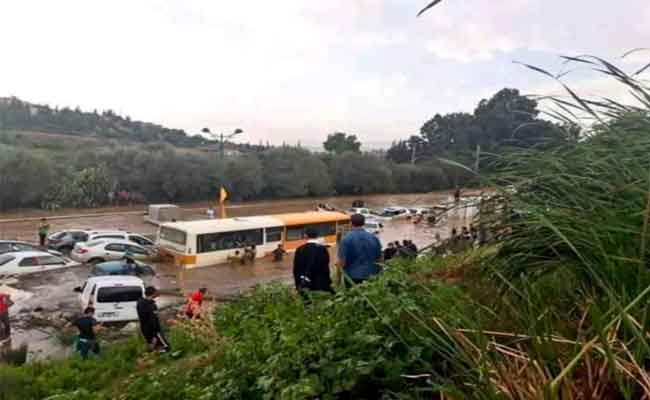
(118, 294)
(59, 235)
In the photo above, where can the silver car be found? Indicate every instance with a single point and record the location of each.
(97, 251)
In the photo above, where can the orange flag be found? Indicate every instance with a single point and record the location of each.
(223, 195)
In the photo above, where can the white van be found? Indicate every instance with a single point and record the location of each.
(113, 297)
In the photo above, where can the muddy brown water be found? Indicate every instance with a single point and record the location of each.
(53, 291)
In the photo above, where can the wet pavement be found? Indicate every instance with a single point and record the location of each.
(52, 292)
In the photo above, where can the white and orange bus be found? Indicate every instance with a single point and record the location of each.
(209, 242)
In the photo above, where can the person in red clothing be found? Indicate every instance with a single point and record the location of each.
(5, 328)
(194, 303)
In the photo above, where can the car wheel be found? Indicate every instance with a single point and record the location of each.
(94, 261)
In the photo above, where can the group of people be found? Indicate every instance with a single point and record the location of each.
(406, 249)
(248, 257)
(358, 257)
(150, 326)
(466, 234)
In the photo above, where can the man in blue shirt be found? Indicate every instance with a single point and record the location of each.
(359, 252)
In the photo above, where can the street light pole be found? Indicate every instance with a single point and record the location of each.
(222, 138)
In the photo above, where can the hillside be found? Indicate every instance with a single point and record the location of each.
(19, 115)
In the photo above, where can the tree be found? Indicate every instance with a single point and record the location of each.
(245, 177)
(361, 174)
(294, 172)
(340, 143)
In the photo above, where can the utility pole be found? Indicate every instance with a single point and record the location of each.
(478, 156)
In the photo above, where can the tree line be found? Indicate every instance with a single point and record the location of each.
(86, 176)
(154, 173)
(504, 122)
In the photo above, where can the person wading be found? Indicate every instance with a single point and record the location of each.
(278, 253)
(311, 265)
(149, 321)
(359, 252)
(5, 326)
(43, 230)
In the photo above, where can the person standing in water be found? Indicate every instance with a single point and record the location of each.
(43, 230)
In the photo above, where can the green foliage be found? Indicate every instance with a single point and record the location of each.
(294, 172)
(360, 174)
(97, 378)
(25, 177)
(504, 121)
(339, 143)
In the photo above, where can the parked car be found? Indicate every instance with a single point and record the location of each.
(374, 227)
(121, 267)
(65, 240)
(132, 237)
(29, 262)
(13, 246)
(98, 251)
(113, 297)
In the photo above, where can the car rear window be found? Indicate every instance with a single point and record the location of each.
(6, 258)
(119, 294)
(93, 243)
(109, 237)
(59, 235)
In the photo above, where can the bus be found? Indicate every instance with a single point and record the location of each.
(209, 242)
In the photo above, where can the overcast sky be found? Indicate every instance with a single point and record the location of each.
(289, 70)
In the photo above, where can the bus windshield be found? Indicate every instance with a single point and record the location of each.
(173, 235)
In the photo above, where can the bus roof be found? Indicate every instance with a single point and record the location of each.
(223, 225)
(311, 217)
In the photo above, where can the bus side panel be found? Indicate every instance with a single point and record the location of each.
(290, 245)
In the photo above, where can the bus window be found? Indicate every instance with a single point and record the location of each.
(228, 240)
(274, 234)
(298, 232)
(173, 235)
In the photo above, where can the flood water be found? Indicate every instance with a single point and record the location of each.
(53, 291)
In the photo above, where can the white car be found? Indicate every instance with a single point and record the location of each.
(366, 212)
(113, 297)
(14, 246)
(97, 251)
(29, 262)
(396, 212)
(374, 227)
(132, 237)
